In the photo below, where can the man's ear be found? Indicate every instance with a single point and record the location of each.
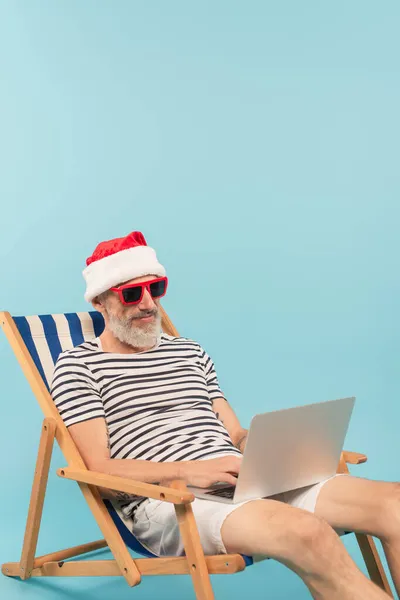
(98, 304)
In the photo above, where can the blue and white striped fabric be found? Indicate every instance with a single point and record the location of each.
(45, 337)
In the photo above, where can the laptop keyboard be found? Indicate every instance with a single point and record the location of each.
(223, 492)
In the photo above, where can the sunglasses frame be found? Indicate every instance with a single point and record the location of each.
(143, 285)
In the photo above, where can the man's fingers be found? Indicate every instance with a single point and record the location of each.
(228, 478)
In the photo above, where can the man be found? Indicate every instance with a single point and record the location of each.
(145, 405)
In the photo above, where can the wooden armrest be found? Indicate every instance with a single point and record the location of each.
(179, 484)
(129, 486)
(354, 458)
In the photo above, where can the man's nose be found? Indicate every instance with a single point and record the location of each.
(147, 302)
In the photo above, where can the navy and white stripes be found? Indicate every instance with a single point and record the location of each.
(157, 404)
(47, 335)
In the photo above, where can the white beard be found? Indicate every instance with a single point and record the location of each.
(145, 336)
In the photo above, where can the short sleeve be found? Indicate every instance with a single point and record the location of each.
(74, 391)
(214, 390)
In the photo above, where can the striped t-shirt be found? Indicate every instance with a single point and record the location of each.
(157, 404)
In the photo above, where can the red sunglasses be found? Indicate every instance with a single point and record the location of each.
(133, 292)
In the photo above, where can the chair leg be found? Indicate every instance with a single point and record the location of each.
(37, 498)
(113, 539)
(373, 562)
(193, 549)
(369, 550)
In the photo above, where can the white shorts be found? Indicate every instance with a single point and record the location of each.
(155, 526)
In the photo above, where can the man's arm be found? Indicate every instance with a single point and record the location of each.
(221, 406)
(91, 438)
(227, 416)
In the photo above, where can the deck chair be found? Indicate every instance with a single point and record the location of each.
(37, 341)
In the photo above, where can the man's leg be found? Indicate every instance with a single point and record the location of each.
(364, 506)
(303, 542)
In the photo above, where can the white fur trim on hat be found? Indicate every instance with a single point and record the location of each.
(122, 266)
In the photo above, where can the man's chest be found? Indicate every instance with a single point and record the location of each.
(169, 383)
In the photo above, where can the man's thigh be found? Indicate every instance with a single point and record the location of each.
(354, 504)
(270, 528)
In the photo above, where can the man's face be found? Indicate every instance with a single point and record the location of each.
(138, 325)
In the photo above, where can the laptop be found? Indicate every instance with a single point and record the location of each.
(286, 450)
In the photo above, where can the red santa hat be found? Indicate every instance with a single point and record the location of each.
(119, 260)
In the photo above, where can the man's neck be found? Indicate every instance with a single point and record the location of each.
(109, 343)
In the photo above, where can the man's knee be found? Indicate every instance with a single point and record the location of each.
(305, 538)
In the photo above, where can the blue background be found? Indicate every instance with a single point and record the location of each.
(256, 145)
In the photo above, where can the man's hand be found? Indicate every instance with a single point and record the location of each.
(204, 473)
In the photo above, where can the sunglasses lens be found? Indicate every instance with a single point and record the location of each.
(157, 288)
(132, 295)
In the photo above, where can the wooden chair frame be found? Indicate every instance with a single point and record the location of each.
(194, 562)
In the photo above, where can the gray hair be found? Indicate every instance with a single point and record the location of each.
(103, 297)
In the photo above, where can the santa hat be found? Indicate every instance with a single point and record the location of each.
(119, 260)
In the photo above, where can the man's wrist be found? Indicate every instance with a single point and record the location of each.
(240, 444)
(181, 470)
